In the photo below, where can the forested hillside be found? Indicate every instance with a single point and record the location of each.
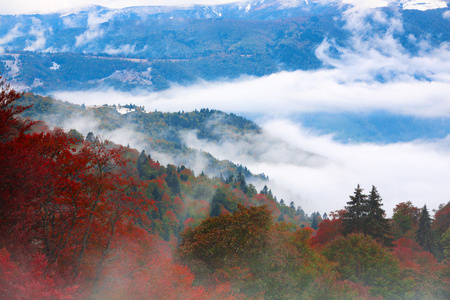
(161, 132)
(82, 217)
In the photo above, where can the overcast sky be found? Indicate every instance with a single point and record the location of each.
(42, 6)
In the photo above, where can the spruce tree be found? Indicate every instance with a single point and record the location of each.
(157, 197)
(90, 137)
(265, 190)
(300, 211)
(140, 165)
(292, 205)
(242, 184)
(356, 210)
(376, 225)
(218, 199)
(424, 234)
(315, 220)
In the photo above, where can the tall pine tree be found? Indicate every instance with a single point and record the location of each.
(356, 210)
(375, 223)
(140, 165)
(315, 220)
(240, 181)
(218, 200)
(424, 234)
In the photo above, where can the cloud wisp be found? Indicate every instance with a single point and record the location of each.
(10, 36)
(94, 30)
(38, 32)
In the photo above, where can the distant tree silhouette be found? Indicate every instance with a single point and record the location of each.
(217, 201)
(424, 234)
(375, 223)
(356, 210)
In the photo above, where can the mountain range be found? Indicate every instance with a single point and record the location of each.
(154, 47)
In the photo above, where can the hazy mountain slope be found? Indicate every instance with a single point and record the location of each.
(161, 134)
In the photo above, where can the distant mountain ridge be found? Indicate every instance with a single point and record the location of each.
(262, 9)
(94, 47)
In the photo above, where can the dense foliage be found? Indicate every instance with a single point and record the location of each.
(86, 218)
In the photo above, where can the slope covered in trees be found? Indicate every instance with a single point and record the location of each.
(86, 218)
(158, 131)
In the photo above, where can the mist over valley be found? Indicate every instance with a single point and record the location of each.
(266, 113)
(354, 76)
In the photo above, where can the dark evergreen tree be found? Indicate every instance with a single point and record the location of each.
(265, 190)
(217, 201)
(173, 182)
(221, 178)
(215, 208)
(90, 137)
(376, 224)
(325, 216)
(315, 220)
(251, 191)
(140, 165)
(240, 179)
(300, 211)
(292, 205)
(424, 234)
(356, 210)
(156, 196)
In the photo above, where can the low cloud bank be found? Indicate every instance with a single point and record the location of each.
(285, 93)
(319, 173)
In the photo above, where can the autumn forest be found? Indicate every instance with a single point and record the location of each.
(84, 218)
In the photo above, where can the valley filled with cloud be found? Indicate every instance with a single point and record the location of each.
(372, 73)
(222, 149)
(376, 70)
